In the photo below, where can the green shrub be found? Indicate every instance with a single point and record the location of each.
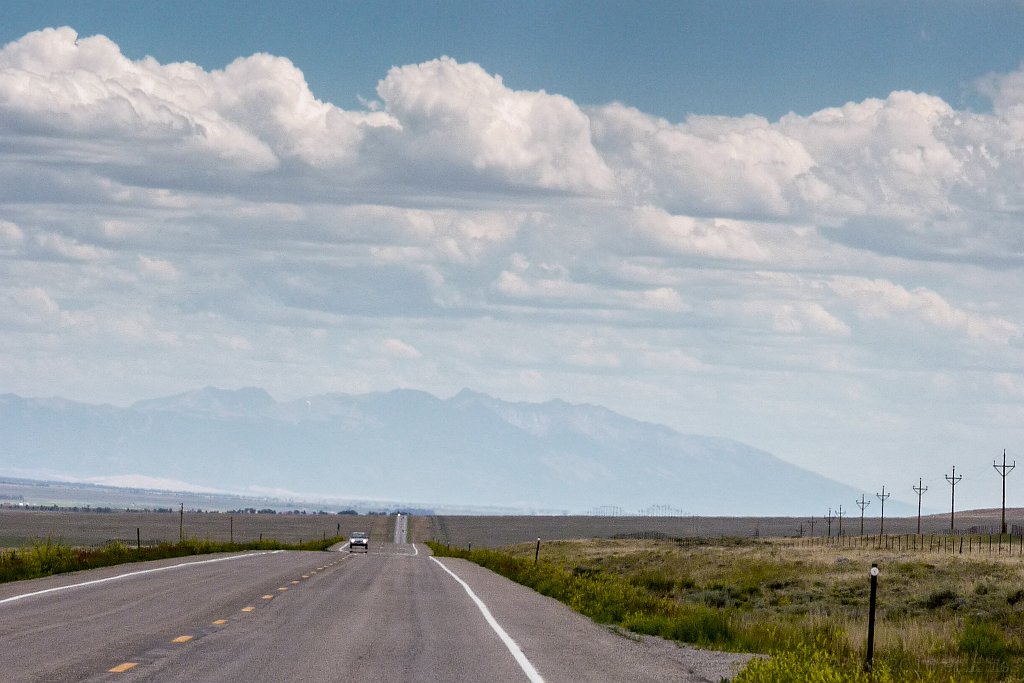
(695, 625)
(809, 664)
(983, 641)
(654, 582)
(941, 598)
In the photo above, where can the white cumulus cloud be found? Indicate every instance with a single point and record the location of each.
(880, 299)
(461, 115)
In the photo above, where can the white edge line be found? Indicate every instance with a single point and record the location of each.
(415, 550)
(520, 658)
(138, 573)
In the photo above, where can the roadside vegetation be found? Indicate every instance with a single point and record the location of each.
(45, 558)
(941, 617)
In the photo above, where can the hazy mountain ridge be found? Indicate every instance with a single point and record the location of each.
(471, 449)
(247, 401)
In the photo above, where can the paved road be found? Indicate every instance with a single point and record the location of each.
(401, 528)
(394, 614)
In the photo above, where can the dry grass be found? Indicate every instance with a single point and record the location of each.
(19, 528)
(494, 532)
(945, 614)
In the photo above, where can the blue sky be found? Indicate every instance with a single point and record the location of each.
(664, 57)
(798, 225)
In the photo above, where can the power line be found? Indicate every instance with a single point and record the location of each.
(1003, 470)
(953, 481)
(862, 503)
(882, 496)
(662, 510)
(606, 511)
(919, 490)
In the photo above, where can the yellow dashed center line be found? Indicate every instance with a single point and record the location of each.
(128, 666)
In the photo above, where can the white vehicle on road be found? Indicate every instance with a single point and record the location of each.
(359, 539)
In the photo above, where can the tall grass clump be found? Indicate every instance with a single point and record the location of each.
(807, 663)
(43, 558)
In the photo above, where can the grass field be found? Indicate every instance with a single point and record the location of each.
(495, 532)
(21, 528)
(941, 616)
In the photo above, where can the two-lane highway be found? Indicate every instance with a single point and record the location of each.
(394, 614)
(401, 528)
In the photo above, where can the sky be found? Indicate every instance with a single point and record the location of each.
(794, 224)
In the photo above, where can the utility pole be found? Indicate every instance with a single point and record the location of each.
(811, 521)
(882, 496)
(840, 513)
(830, 522)
(862, 503)
(919, 490)
(1003, 470)
(953, 481)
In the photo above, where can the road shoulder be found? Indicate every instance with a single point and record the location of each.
(567, 646)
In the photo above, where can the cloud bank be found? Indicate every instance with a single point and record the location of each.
(793, 283)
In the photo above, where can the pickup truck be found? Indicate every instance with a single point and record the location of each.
(359, 539)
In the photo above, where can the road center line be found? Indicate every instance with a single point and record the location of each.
(138, 573)
(524, 663)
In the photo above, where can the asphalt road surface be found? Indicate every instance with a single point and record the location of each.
(394, 614)
(401, 529)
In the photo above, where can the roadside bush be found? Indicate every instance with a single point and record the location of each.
(983, 641)
(694, 625)
(43, 558)
(655, 582)
(941, 598)
(809, 664)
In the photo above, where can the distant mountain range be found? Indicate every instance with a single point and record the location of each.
(469, 450)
